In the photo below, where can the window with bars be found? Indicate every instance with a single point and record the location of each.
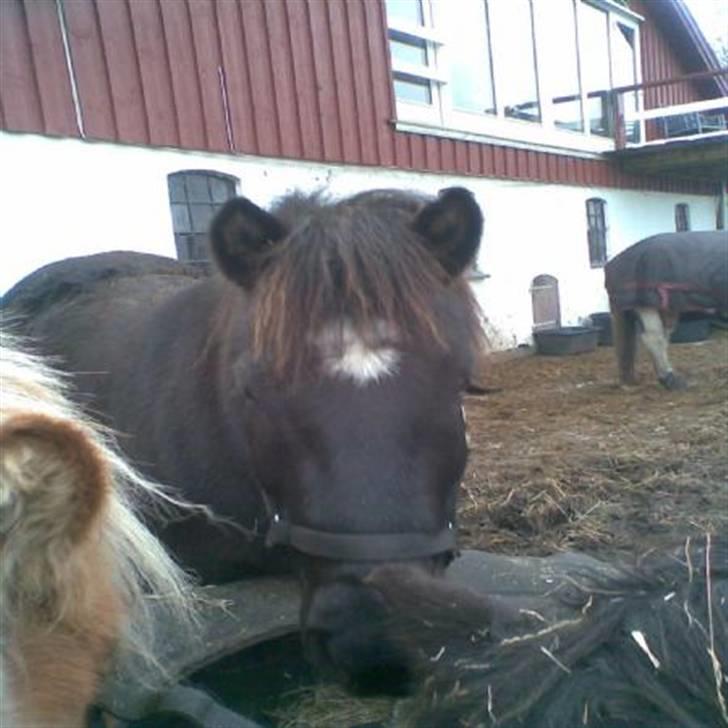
(194, 197)
(682, 217)
(596, 217)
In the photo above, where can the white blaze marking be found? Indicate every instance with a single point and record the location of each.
(348, 355)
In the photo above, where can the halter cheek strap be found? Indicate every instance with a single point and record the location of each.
(360, 546)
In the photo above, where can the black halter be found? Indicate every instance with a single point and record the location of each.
(360, 546)
(355, 546)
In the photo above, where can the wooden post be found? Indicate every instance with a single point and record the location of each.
(616, 109)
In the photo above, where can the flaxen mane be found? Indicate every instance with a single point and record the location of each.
(359, 262)
(78, 568)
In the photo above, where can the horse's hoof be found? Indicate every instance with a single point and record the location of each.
(673, 382)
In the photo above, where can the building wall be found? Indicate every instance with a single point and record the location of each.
(69, 197)
(659, 62)
(298, 79)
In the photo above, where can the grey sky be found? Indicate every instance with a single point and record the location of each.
(712, 16)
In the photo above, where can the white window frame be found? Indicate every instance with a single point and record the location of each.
(441, 119)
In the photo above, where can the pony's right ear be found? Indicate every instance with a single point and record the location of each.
(451, 227)
(242, 236)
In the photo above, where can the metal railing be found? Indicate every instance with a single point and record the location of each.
(630, 124)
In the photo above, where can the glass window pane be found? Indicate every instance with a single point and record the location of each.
(471, 74)
(176, 184)
(407, 88)
(197, 188)
(512, 24)
(180, 242)
(595, 66)
(180, 218)
(197, 247)
(682, 217)
(563, 66)
(222, 189)
(408, 50)
(201, 217)
(624, 73)
(408, 11)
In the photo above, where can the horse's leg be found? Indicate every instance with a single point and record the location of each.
(624, 334)
(656, 337)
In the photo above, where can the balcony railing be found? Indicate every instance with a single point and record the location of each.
(633, 125)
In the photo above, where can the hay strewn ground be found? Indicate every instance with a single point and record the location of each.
(562, 458)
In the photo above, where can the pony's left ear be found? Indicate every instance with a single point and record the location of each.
(451, 227)
(242, 237)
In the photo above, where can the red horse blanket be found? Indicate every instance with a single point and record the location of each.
(672, 272)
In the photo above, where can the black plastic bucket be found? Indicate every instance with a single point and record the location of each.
(566, 340)
(603, 322)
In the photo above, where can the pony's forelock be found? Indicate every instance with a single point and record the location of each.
(357, 264)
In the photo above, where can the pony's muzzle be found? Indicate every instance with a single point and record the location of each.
(346, 636)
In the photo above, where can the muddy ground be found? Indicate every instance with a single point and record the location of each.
(563, 458)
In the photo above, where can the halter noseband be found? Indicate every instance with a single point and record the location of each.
(360, 546)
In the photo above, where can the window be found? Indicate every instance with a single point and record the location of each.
(624, 71)
(195, 197)
(682, 217)
(479, 66)
(516, 51)
(596, 231)
(566, 88)
(595, 35)
(470, 68)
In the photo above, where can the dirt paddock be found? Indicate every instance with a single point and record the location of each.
(563, 458)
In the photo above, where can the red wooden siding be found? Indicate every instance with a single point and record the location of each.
(302, 79)
(660, 62)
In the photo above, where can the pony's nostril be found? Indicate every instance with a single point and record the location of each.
(347, 638)
(395, 680)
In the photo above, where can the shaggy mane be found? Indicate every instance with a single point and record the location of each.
(644, 648)
(356, 261)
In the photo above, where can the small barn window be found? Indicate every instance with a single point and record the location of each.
(194, 197)
(682, 217)
(596, 218)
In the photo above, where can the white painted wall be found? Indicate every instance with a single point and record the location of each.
(66, 197)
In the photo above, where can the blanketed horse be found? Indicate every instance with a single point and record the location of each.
(309, 392)
(78, 569)
(655, 280)
(630, 646)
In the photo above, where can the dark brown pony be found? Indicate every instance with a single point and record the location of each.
(309, 392)
(655, 280)
(638, 646)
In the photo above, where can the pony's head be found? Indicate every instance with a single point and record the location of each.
(349, 369)
(76, 564)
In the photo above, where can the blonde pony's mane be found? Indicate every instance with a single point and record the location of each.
(144, 576)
